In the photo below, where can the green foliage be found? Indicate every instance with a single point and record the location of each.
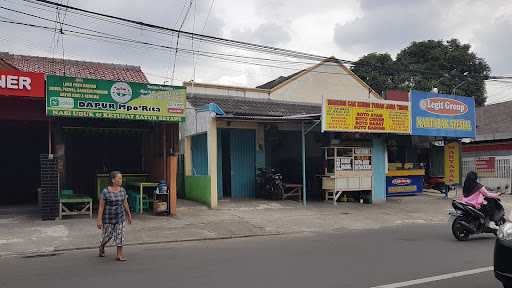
(426, 65)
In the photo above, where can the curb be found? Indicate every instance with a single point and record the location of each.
(57, 251)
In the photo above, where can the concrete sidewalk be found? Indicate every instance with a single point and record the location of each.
(22, 234)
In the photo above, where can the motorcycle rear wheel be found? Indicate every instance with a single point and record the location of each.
(459, 232)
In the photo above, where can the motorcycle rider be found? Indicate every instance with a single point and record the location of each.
(474, 194)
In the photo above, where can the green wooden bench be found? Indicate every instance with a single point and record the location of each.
(73, 204)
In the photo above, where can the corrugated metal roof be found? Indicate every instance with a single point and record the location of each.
(240, 106)
(273, 119)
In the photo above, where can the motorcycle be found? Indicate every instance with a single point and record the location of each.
(436, 183)
(466, 220)
(270, 184)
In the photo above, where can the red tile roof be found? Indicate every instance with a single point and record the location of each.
(75, 68)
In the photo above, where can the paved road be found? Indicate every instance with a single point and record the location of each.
(350, 259)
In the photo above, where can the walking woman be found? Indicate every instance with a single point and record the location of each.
(111, 215)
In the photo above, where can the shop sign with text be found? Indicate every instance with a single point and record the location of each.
(92, 98)
(442, 115)
(21, 84)
(451, 163)
(369, 117)
(404, 185)
(485, 166)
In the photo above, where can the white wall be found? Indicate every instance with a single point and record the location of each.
(227, 91)
(195, 122)
(329, 80)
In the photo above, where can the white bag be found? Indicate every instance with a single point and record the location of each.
(505, 231)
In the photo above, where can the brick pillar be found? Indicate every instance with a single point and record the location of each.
(49, 187)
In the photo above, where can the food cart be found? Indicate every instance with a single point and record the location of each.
(347, 169)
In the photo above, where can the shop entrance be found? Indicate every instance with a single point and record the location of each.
(21, 145)
(236, 163)
(90, 152)
(283, 153)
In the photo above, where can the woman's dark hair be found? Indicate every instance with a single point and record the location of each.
(113, 176)
(471, 184)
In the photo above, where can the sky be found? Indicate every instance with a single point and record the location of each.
(346, 29)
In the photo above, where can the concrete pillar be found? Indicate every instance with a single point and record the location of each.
(379, 151)
(212, 159)
(188, 155)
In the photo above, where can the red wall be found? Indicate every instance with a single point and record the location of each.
(28, 109)
(397, 95)
(487, 147)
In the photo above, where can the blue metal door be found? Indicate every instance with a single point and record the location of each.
(199, 155)
(243, 163)
(220, 188)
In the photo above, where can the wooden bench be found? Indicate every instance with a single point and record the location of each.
(68, 201)
(292, 190)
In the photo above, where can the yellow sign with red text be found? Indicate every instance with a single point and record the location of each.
(451, 163)
(369, 117)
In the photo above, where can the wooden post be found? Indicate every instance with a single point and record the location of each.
(188, 155)
(172, 172)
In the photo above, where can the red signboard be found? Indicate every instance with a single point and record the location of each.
(22, 84)
(485, 165)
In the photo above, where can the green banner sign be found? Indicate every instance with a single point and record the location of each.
(92, 98)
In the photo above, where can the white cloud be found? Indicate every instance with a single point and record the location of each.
(239, 80)
(269, 33)
(347, 29)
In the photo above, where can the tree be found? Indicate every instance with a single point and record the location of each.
(377, 70)
(426, 65)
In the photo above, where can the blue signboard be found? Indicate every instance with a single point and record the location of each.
(403, 185)
(435, 114)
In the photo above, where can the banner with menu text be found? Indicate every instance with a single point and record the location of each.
(369, 117)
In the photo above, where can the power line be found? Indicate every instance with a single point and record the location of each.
(212, 39)
(237, 44)
(108, 34)
(228, 42)
(224, 59)
(178, 40)
(158, 46)
(208, 16)
(437, 73)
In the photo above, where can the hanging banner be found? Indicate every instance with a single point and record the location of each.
(369, 117)
(442, 115)
(92, 98)
(451, 163)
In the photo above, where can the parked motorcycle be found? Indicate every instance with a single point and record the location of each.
(436, 183)
(466, 220)
(269, 183)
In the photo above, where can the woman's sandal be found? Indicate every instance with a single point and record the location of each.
(102, 252)
(121, 259)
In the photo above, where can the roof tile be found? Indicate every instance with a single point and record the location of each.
(75, 68)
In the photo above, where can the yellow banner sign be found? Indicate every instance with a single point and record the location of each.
(451, 163)
(357, 116)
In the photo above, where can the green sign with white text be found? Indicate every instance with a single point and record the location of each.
(92, 98)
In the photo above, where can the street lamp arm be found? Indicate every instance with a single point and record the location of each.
(460, 84)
